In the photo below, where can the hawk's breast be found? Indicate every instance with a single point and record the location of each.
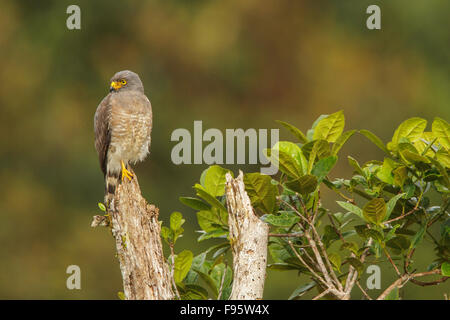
(130, 125)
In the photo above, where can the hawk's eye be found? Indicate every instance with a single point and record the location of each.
(123, 81)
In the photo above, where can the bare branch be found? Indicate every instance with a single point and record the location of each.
(318, 277)
(172, 271)
(321, 294)
(403, 280)
(286, 235)
(363, 291)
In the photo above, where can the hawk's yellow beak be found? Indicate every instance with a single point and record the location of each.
(115, 85)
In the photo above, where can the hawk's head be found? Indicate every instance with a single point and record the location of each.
(126, 80)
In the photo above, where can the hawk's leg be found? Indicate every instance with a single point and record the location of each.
(125, 173)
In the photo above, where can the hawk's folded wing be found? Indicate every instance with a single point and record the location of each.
(102, 131)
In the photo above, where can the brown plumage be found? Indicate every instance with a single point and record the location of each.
(122, 126)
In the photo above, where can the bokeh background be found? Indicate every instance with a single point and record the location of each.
(232, 64)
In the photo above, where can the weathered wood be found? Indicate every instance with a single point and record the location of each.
(249, 236)
(136, 230)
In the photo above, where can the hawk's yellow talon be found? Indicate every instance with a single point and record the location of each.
(125, 173)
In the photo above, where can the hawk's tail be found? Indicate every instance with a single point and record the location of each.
(111, 183)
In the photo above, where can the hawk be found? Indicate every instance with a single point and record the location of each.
(122, 126)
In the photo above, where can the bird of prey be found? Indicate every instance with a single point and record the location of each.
(122, 126)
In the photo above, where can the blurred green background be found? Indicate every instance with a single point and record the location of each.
(232, 64)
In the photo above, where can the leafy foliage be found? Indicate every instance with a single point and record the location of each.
(390, 206)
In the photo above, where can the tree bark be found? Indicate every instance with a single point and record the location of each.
(248, 237)
(136, 230)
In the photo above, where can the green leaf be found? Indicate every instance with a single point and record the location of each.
(409, 190)
(215, 180)
(307, 148)
(348, 233)
(351, 208)
(354, 163)
(320, 149)
(261, 191)
(374, 234)
(202, 193)
(209, 220)
(361, 230)
(445, 269)
(303, 185)
(391, 232)
(341, 141)
(330, 128)
(385, 172)
(198, 263)
(202, 177)
(217, 233)
(414, 157)
(399, 243)
(443, 157)
(355, 263)
(165, 233)
(121, 295)
(425, 143)
(296, 132)
(289, 158)
(222, 250)
(410, 129)
(217, 247)
(209, 281)
(377, 141)
(177, 234)
(194, 203)
(350, 245)
(442, 171)
(323, 167)
(377, 249)
(183, 263)
(391, 204)
(405, 231)
(409, 153)
(330, 235)
(375, 210)
(279, 251)
(335, 259)
(301, 290)
(441, 130)
(400, 176)
(445, 228)
(310, 132)
(193, 292)
(176, 220)
(418, 237)
(284, 219)
(192, 276)
(217, 274)
(101, 206)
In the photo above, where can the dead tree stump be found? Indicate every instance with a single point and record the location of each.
(136, 230)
